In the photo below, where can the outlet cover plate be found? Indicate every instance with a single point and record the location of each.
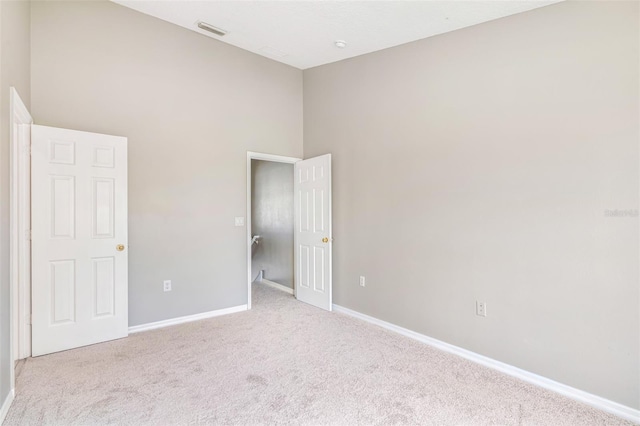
(481, 309)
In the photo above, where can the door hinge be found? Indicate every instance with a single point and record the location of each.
(29, 319)
(28, 235)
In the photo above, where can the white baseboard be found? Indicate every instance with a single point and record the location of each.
(188, 318)
(277, 286)
(598, 402)
(6, 404)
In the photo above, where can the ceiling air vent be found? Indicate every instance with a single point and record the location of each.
(211, 28)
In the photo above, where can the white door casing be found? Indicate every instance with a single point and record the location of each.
(79, 218)
(312, 236)
(20, 225)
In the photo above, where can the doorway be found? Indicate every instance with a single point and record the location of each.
(312, 229)
(270, 221)
(68, 231)
(272, 224)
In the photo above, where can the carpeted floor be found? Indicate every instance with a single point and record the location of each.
(283, 362)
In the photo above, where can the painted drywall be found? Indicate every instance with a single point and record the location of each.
(487, 164)
(14, 71)
(191, 107)
(272, 219)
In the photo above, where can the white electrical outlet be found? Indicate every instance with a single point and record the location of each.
(481, 309)
(167, 285)
(239, 221)
(362, 281)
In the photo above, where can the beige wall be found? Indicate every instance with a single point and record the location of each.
(478, 165)
(191, 107)
(14, 71)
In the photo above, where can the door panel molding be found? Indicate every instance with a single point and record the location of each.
(79, 256)
(312, 237)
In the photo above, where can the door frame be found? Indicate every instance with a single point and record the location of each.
(19, 214)
(264, 157)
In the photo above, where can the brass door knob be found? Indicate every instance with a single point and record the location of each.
(120, 247)
(325, 240)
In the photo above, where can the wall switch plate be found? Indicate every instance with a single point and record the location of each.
(167, 285)
(481, 309)
(239, 221)
(362, 281)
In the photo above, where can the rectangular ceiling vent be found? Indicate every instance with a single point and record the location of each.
(211, 28)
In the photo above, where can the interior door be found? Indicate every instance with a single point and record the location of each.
(79, 239)
(312, 237)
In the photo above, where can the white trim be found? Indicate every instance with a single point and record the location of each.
(265, 157)
(595, 401)
(277, 286)
(6, 405)
(272, 157)
(19, 225)
(185, 319)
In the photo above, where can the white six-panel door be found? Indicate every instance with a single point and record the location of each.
(79, 239)
(312, 236)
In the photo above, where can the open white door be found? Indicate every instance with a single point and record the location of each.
(312, 237)
(79, 239)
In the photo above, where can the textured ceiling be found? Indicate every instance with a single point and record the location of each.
(302, 33)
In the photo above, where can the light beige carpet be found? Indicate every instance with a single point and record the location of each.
(283, 362)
